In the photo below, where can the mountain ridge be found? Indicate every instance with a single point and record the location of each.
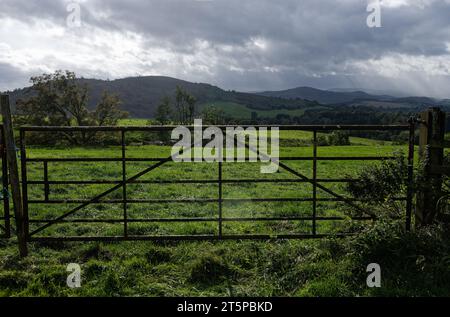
(141, 96)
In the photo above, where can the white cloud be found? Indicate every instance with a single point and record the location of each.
(242, 45)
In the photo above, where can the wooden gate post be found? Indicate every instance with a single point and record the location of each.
(431, 155)
(14, 175)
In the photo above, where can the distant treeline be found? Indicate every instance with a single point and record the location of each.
(346, 115)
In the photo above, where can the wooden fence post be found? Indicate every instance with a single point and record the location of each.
(431, 155)
(14, 175)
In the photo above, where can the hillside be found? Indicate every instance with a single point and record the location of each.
(322, 96)
(355, 98)
(141, 95)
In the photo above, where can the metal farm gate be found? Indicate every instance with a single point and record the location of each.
(120, 185)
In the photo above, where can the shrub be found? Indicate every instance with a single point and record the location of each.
(379, 185)
(412, 263)
(339, 138)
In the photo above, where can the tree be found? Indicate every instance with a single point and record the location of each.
(213, 115)
(339, 138)
(108, 111)
(59, 99)
(190, 100)
(185, 106)
(164, 111)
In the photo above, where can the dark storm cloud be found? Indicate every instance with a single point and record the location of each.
(262, 44)
(320, 28)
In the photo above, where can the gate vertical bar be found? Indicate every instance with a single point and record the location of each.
(5, 182)
(46, 185)
(220, 198)
(22, 234)
(409, 198)
(23, 164)
(315, 183)
(124, 187)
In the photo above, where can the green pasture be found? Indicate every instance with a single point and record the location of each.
(224, 268)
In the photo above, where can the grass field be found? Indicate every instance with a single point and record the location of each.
(230, 268)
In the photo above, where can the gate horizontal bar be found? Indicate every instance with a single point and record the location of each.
(298, 158)
(222, 127)
(193, 181)
(195, 200)
(186, 237)
(201, 219)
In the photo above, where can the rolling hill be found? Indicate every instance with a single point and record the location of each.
(345, 97)
(323, 96)
(141, 95)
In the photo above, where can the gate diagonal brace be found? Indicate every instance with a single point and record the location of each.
(109, 191)
(303, 177)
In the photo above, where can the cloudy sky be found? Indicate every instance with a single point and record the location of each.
(246, 45)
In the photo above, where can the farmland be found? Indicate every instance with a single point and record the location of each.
(327, 267)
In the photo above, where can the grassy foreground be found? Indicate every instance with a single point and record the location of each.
(415, 264)
(412, 263)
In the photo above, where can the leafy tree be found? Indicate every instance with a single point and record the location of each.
(339, 138)
(213, 115)
(59, 100)
(164, 117)
(185, 106)
(108, 111)
(164, 111)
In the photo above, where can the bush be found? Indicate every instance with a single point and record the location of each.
(338, 138)
(379, 185)
(415, 263)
